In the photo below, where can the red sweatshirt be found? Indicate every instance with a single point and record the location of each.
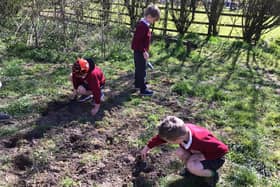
(142, 37)
(202, 141)
(95, 79)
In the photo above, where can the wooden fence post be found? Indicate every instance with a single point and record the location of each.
(165, 17)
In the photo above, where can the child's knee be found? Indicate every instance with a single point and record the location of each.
(179, 152)
(194, 165)
(182, 154)
(81, 90)
(190, 165)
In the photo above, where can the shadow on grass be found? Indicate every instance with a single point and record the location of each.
(183, 182)
(170, 181)
(60, 113)
(233, 52)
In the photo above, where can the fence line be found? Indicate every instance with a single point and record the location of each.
(94, 20)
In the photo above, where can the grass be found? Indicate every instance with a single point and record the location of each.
(68, 182)
(226, 86)
(90, 157)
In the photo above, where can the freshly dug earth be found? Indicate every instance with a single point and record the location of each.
(60, 147)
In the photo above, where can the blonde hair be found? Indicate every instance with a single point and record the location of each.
(171, 128)
(153, 11)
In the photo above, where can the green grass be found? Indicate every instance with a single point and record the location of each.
(241, 109)
(243, 176)
(68, 182)
(90, 157)
(8, 131)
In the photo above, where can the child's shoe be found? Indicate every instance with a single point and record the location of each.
(4, 116)
(73, 97)
(85, 98)
(102, 98)
(146, 92)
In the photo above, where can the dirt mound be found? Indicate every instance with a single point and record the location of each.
(141, 166)
(11, 143)
(91, 153)
(23, 161)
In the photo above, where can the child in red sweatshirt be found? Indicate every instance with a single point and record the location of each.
(140, 45)
(201, 152)
(88, 80)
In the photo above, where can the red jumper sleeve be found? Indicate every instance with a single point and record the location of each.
(94, 85)
(140, 38)
(76, 81)
(155, 141)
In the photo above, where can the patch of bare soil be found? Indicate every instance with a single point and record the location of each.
(84, 152)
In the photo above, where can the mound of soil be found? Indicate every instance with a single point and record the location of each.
(23, 161)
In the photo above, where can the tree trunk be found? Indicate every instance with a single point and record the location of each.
(213, 11)
(62, 14)
(34, 17)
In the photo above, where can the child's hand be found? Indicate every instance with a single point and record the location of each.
(95, 109)
(74, 94)
(146, 55)
(144, 152)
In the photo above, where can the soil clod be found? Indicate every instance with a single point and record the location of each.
(23, 161)
(11, 143)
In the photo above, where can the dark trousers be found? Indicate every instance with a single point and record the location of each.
(140, 70)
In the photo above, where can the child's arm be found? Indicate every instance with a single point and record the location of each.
(74, 94)
(146, 55)
(139, 36)
(95, 109)
(75, 82)
(139, 39)
(153, 142)
(95, 88)
(144, 152)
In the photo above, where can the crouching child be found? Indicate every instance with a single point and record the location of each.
(88, 81)
(200, 151)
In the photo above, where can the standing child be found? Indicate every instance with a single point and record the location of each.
(201, 152)
(140, 45)
(88, 80)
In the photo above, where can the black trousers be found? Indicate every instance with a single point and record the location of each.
(213, 164)
(140, 70)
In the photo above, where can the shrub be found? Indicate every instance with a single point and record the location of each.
(13, 68)
(183, 88)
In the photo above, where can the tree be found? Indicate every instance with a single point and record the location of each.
(62, 4)
(259, 16)
(136, 9)
(8, 9)
(183, 12)
(213, 10)
(106, 6)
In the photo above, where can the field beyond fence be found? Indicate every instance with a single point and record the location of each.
(229, 24)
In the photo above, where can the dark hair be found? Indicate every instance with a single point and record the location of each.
(153, 11)
(90, 60)
(91, 63)
(171, 128)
